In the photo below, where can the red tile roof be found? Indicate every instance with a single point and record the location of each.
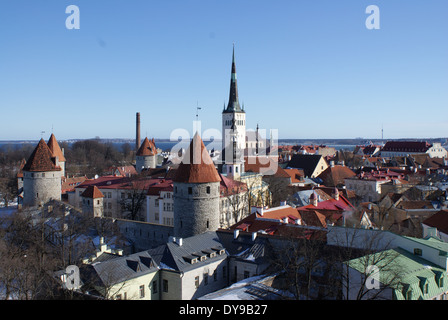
(196, 166)
(55, 149)
(407, 146)
(92, 192)
(147, 148)
(114, 182)
(41, 159)
(438, 220)
(229, 186)
(335, 175)
(296, 175)
(123, 171)
(69, 184)
(159, 185)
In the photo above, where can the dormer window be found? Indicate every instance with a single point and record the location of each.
(409, 294)
(418, 251)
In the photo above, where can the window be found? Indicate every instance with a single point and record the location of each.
(205, 278)
(441, 281)
(417, 251)
(196, 282)
(142, 291)
(409, 295)
(165, 285)
(215, 275)
(190, 190)
(208, 190)
(154, 287)
(246, 274)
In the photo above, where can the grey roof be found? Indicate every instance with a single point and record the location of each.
(119, 269)
(253, 288)
(244, 248)
(178, 257)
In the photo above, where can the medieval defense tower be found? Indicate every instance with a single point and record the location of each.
(146, 156)
(196, 192)
(41, 176)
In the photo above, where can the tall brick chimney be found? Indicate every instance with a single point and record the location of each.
(137, 138)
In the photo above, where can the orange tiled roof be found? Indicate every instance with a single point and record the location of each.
(41, 159)
(55, 149)
(296, 175)
(147, 148)
(92, 192)
(198, 167)
(333, 176)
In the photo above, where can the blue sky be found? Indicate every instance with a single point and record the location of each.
(310, 69)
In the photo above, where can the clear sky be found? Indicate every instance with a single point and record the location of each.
(310, 69)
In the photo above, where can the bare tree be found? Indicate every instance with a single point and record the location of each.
(370, 250)
(297, 258)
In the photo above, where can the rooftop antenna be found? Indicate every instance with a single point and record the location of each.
(382, 132)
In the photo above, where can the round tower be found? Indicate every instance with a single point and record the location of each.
(41, 176)
(146, 156)
(196, 192)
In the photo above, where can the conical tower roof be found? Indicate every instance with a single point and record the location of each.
(147, 148)
(41, 159)
(55, 149)
(196, 166)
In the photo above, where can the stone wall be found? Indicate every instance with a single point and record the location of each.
(196, 208)
(143, 235)
(40, 187)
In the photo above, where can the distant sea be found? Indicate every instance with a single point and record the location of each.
(168, 145)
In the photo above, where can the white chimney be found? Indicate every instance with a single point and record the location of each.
(179, 242)
(236, 233)
(282, 203)
(254, 236)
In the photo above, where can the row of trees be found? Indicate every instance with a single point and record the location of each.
(309, 268)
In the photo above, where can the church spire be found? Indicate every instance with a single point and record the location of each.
(234, 104)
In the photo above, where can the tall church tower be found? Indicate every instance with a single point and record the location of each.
(233, 123)
(234, 111)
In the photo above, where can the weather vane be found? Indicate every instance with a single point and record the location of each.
(197, 110)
